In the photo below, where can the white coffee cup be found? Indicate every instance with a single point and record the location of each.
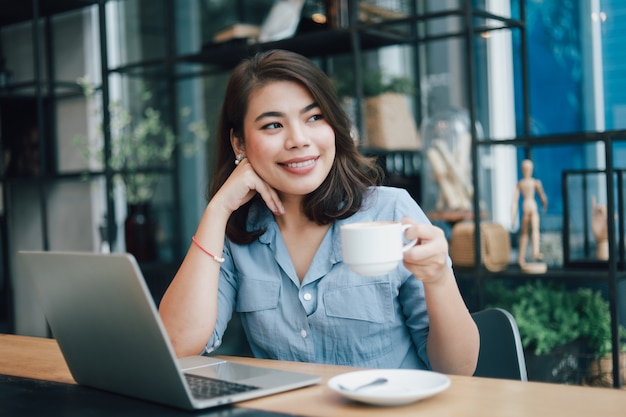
(374, 248)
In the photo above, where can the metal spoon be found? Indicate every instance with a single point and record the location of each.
(377, 381)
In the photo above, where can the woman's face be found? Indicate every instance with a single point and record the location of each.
(287, 140)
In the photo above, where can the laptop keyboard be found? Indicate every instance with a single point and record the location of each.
(205, 388)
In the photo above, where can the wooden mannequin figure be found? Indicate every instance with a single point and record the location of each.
(529, 187)
(600, 229)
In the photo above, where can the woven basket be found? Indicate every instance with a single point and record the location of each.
(495, 245)
(389, 123)
(600, 372)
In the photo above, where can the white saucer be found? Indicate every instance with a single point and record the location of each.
(404, 386)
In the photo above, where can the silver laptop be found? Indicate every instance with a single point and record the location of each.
(106, 323)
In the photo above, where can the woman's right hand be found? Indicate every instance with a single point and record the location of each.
(242, 185)
(189, 306)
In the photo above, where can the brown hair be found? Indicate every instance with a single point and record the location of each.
(342, 192)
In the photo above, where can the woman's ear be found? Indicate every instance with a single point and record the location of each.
(237, 144)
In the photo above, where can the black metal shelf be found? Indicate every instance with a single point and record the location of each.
(573, 138)
(580, 275)
(325, 42)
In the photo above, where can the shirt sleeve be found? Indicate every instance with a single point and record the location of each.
(227, 291)
(411, 298)
(411, 294)
(406, 206)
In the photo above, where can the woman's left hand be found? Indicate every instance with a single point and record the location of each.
(428, 259)
(453, 339)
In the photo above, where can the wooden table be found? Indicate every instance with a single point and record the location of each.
(467, 396)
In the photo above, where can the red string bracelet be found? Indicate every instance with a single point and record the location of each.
(215, 257)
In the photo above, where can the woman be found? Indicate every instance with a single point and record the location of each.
(267, 245)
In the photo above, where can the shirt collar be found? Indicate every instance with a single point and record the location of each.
(327, 255)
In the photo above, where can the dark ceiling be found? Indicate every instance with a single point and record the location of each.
(15, 11)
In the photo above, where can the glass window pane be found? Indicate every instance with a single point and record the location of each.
(137, 30)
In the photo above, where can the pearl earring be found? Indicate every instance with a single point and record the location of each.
(239, 158)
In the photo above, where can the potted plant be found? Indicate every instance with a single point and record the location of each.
(389, 123)
(562, 330)
(141, 146)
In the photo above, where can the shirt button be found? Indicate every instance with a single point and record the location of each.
(308, 296)
(303, 333)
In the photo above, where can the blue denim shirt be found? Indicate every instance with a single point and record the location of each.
(334, 316)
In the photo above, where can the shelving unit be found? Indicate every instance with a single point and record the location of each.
(416, 30)
(28, 123)
(55, 200)
(608, 276)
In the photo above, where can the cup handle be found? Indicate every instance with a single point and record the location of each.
(410, 244)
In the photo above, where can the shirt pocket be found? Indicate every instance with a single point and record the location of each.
(256, 295)
(371, 302)
(258, 306)
(360, 323)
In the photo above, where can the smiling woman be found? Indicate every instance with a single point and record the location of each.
(291, 146)
(298, 173)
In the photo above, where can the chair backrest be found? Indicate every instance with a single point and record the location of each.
(501, 354)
